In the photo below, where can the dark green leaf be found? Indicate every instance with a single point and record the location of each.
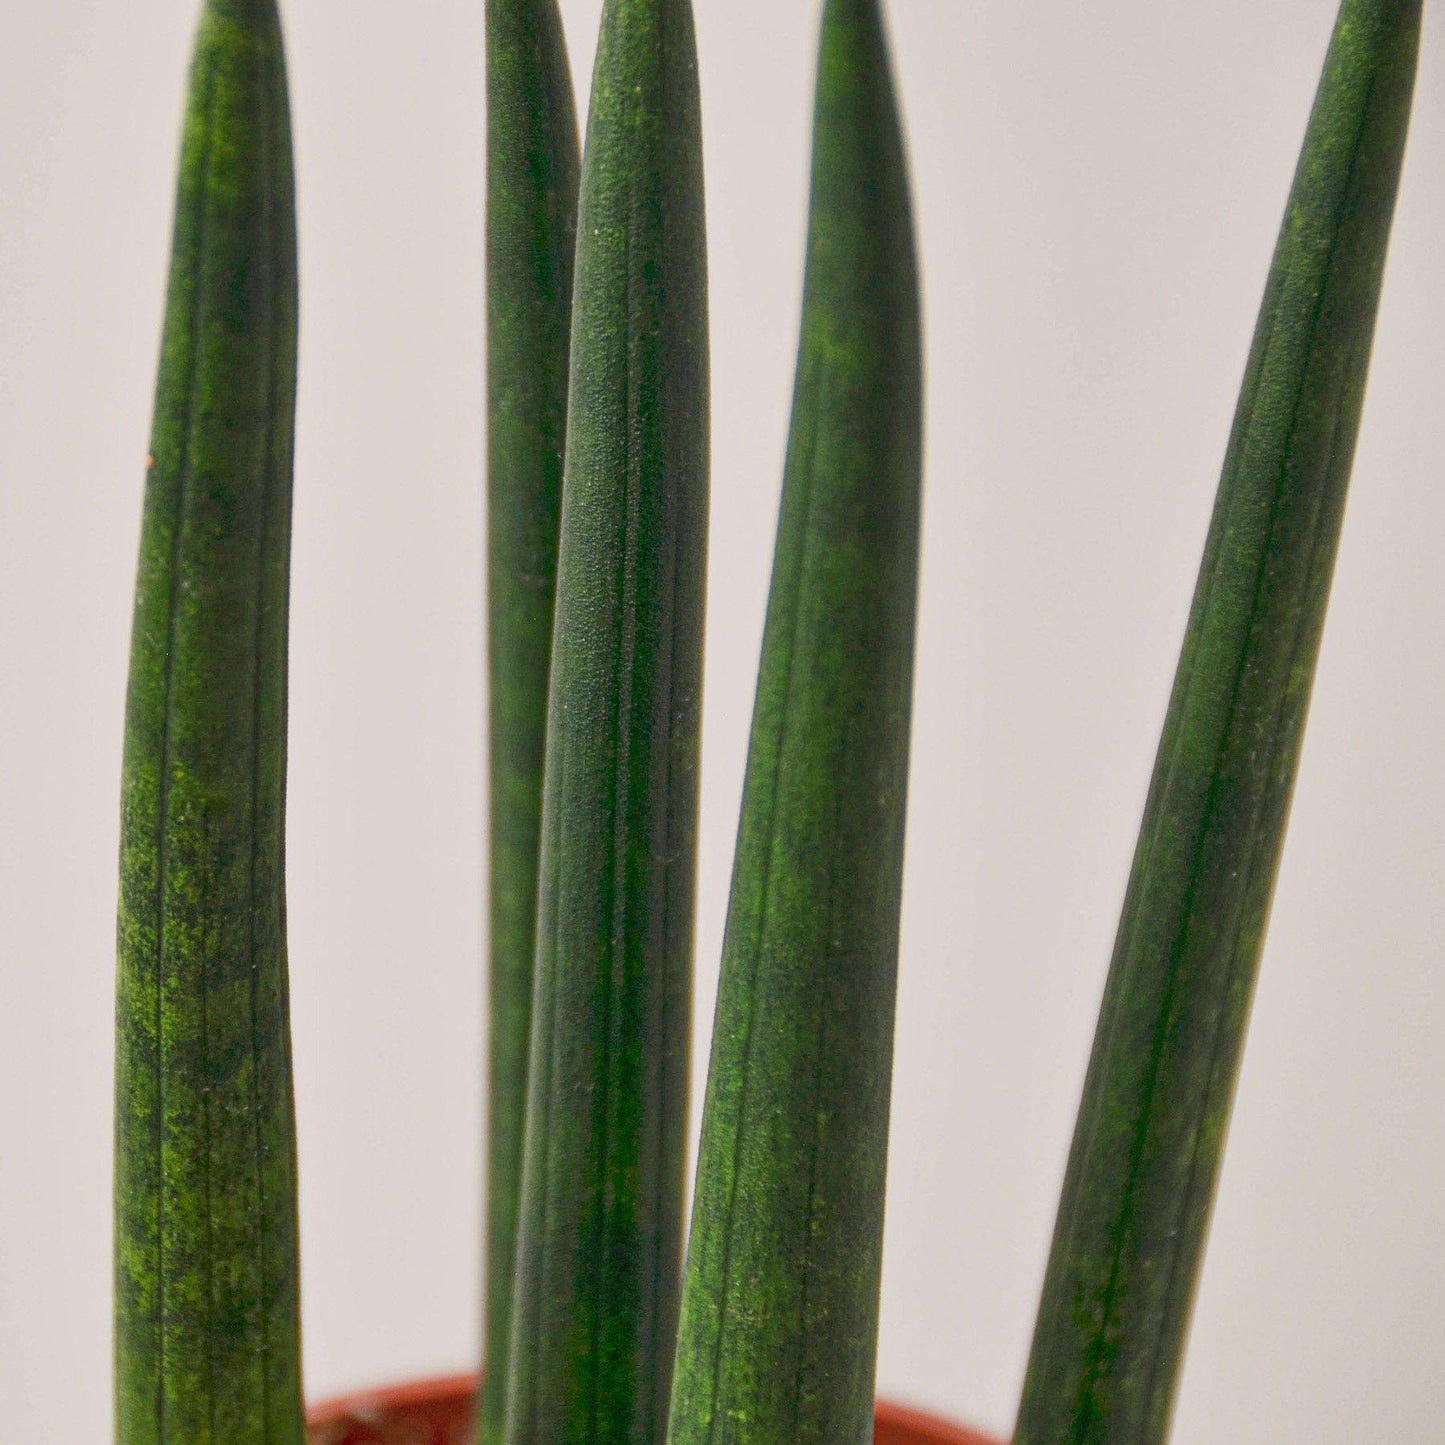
(780, 1305)
(532, 169)
(207, 1349)
(1146, 1151)
(602, 1185)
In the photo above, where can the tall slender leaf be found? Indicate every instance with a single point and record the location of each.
(780, 1304)
(207, 1349)
(602, 1185)
(1146, 1151)
(532, 167)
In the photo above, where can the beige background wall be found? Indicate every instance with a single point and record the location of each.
(1099, 187)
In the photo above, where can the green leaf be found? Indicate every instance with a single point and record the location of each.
(780, 1305)
(532, 167)
(601, 1213)
(207, 1348)
(1146, 1151)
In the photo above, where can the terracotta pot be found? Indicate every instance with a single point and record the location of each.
(439, 1412)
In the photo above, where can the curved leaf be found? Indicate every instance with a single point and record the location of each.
(1146, 1150)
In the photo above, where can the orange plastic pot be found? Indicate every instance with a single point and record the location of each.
(439, 1412)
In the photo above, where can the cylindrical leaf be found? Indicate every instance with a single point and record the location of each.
(594, 1317)
(207, 1349)
(780, 1305)
(532, 167)
(1146, 1150)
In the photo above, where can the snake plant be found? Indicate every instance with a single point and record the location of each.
(532, 165)
(600, 1214)
(1147, 1146)
(780, 1308)
(597, 1330)
(207, 1342)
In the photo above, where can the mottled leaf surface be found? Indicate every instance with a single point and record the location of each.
(207, 1347)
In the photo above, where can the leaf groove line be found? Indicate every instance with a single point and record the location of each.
(207, 110)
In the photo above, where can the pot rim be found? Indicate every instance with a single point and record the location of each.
(425, 1391)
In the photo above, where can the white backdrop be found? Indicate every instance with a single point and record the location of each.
(1098, 191)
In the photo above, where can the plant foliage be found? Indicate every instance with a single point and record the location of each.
(600, 1238)
(532, 177)
(1147, 1146)
(780, 1309)
(206, 1328)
